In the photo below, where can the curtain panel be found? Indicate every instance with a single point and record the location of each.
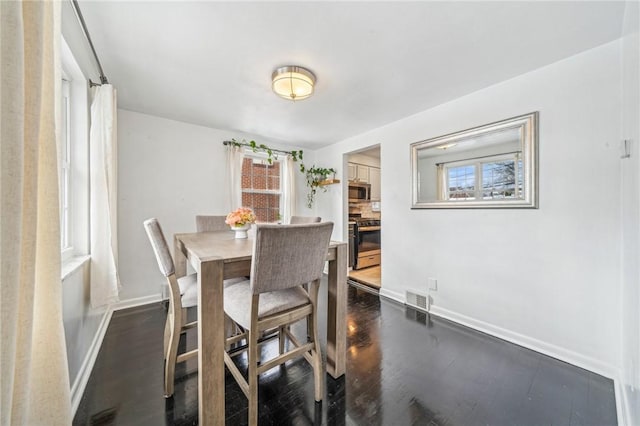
(33, 359)
(105, 285)
(235, 156)
(288, 189)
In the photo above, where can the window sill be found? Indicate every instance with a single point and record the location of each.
(73, 264)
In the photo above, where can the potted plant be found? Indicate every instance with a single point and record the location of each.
(315, 176)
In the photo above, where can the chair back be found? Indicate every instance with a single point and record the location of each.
(304, 219)
(160, 247)
(286, 256)
(211, 223)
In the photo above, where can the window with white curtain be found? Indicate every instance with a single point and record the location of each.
(262, 187)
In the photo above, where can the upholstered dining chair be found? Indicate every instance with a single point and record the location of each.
(211, 223)
(295, 220)
(284, 258)
(183, 294)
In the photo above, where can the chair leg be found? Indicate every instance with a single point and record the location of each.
(318, 376)
(281, 338)
(253, 377)
(167, 334)
(172, 354)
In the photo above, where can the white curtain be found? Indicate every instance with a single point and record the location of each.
(33, 359)
(441, 180)
(288, 189)
(235, 156)
(103, 148)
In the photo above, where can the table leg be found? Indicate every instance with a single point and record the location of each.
(179, 259)
(211, 343)
(337, 313)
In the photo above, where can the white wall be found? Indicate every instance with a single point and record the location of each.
(630, 295)
(547, 278)
(173, 171)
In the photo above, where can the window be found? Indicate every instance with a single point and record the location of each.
(73, 165)
(261, 188)
(65, 167)
(486, 178)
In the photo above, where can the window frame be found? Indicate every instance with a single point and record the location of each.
(478, 163)
(280, 192)
(77, 188)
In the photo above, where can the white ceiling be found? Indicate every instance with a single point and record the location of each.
(210, 63)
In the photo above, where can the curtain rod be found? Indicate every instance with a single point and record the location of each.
(76, 9)
(236, 143)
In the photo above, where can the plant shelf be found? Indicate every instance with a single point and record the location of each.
(328, 182)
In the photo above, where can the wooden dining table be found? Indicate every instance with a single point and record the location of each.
(217, 256)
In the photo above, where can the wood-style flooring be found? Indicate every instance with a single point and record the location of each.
(368, 276)
(404, 367)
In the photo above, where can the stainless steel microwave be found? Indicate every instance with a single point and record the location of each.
(359, 191)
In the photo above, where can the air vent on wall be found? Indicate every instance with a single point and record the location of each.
(417, 300)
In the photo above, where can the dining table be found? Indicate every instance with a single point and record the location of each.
(217, 256)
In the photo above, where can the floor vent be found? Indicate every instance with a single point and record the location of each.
(417, 300)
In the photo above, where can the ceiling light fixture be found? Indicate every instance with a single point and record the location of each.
(293, 82)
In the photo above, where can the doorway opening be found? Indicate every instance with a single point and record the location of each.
(364, 217)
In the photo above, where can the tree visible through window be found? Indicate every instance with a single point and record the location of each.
(484, 178)
(261, 189)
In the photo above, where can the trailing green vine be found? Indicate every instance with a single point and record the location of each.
(314, 175)
(296, 155)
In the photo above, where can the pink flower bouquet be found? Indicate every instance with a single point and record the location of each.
(240, 217)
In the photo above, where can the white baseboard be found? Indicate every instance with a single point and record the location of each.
(551, 350)
(624, 402)
(82, 378)
(393, 295)
(138, 301)
(621, 402)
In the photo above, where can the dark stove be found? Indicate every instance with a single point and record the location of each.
(361, 222)
(365, 242)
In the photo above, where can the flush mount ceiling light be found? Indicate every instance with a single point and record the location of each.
(293, 83)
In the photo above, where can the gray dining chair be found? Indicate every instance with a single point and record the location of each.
(211, 223)
(304, 219)
(183, 294)
(284, 258)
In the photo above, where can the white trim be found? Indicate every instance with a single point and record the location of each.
(82, 378)
(624, 399)
(622, 407)
(138, 301)
(563, 354)
(395, 296)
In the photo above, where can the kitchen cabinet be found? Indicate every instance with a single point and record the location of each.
(374, 180)
(358, 172)
(362, 173)
(352, 173)
(366, 174)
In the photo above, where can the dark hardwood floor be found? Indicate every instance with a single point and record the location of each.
(403, 368)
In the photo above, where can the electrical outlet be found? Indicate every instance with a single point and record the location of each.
(433, 284)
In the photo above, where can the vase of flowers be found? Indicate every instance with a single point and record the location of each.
(240, 221)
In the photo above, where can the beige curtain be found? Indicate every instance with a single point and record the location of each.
(35, 377)
(235, 156)
(105, 285)
(288, 189)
